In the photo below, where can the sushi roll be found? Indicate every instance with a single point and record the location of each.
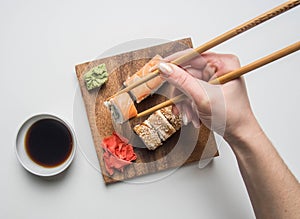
(155, 83)
(159, 126)
(159, 122)
(148, 135)
(122, 108)
(175, 120)
(140, 92)
(144, 90)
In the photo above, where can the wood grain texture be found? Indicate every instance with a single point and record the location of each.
(186, 146)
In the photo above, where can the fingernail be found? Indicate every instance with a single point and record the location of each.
(184, 119)
(211, 68)
(165, 69)
(196, 123)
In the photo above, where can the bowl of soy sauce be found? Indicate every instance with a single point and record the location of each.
(45, 145)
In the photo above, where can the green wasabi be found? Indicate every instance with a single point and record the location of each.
(96, 77)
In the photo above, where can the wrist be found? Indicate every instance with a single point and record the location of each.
(245, 133)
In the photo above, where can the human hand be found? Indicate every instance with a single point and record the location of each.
(225, 108)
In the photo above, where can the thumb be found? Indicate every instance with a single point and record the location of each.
(208, 99)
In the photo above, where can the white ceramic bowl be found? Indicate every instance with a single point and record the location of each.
(24, 158)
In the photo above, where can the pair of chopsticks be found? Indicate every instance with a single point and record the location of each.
(216, 41)
(230, 76)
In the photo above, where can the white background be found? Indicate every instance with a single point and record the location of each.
(41, 42)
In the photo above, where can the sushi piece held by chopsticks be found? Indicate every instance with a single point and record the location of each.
(122, 108)
(142, 91)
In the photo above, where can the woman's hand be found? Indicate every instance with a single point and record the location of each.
(222, 108)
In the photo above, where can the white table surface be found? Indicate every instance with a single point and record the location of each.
(41, 42)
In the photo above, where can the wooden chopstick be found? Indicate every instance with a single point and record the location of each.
(218, 40)
(230, 76)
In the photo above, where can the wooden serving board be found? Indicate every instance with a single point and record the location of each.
(186, 146)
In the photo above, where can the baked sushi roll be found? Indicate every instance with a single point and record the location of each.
(159, 122)
(175, 120)
(159, 126)
(122, 108)
(144, 90)
(148, 135)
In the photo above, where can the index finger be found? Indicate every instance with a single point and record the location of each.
(198, 62)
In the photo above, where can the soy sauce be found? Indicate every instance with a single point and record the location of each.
(48, 142)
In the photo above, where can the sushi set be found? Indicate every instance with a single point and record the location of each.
(115, 89)
(155, 142)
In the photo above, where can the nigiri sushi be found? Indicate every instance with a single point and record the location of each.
(144, 90)
(122, 107)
